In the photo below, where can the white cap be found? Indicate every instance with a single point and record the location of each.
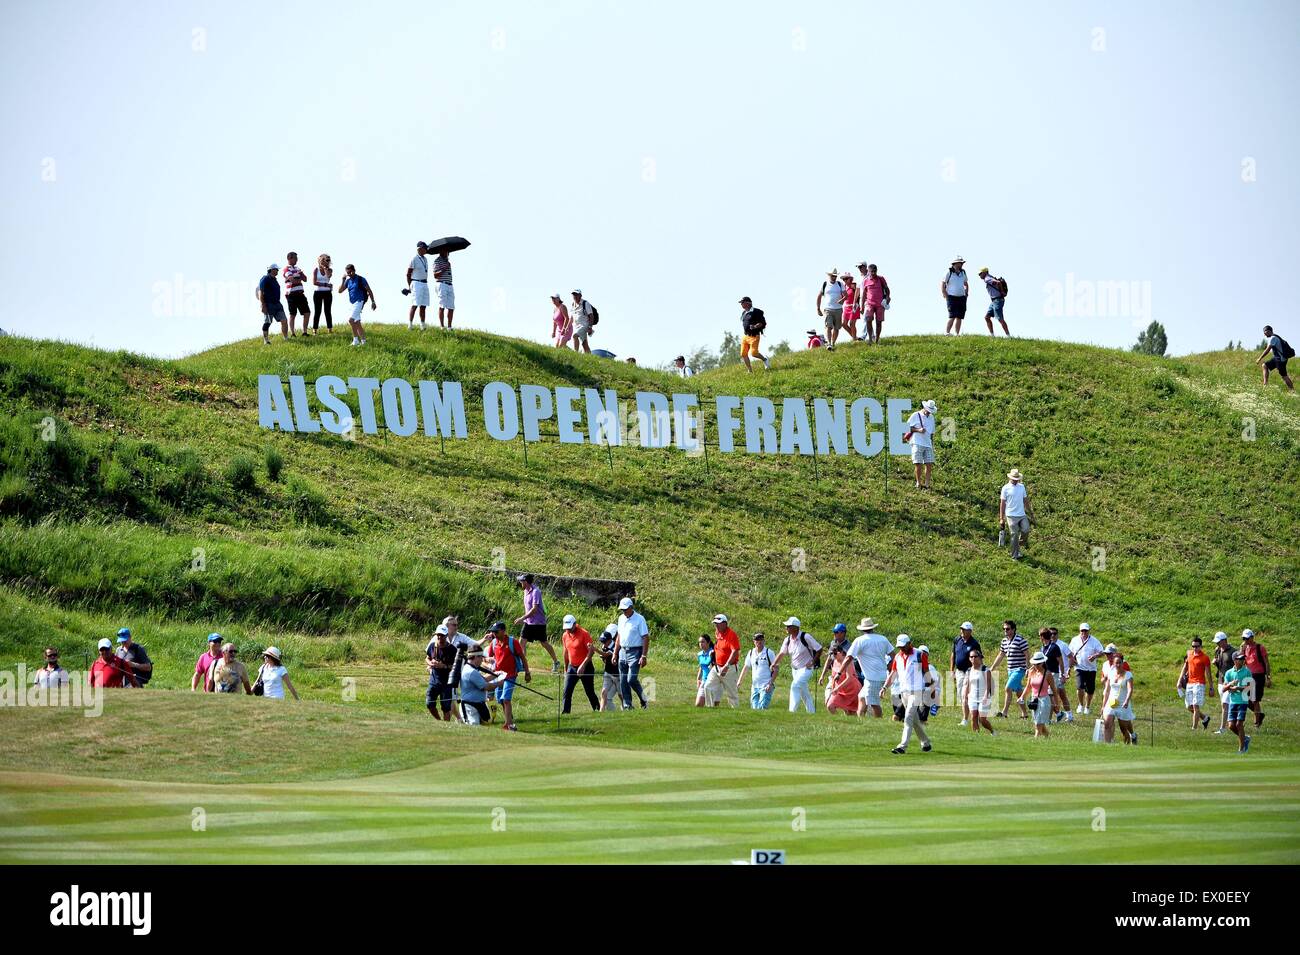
(720, 618)
(577, 291)
(903, 640)
(625, 603)
(272, 266)
(793, 622)
(923, 648)
(442, 630)
(1111, 648)
(106, 644)
(1247, 633)
(967, 625)
(1084, 626)
(570, 621)
(1220, 637)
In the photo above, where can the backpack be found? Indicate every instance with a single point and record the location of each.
(1287, 351)
(595, 315)
(817, 654)
(1002, 287)
(756, 322)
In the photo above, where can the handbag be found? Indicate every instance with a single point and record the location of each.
(259, 688)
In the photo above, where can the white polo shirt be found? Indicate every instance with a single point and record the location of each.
(419, 269)
(955, 282)
(922, 439)
(632, 631)
(1013, 494)
(1086, 653)
(872, 650)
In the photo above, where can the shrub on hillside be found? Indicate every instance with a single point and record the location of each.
(274, 463)
(241, 473)
(307, 505)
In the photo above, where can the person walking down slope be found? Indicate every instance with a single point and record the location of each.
(1281, 352)
(997, 289)
(1257, 662)
(1015, 515)
(133, 657)
(752, 325)
(920, 432)
(760, 666)
(907, 670)
(803, 651)
(228, 674)
(1015, 650)
(955, 289)
(561, 322)
(1195, 676)
(842, 694)
(978, 700)
(632, 647)
(874, 299)
(268, 296)
(724, 678)
(850, 306)
(359, 292)
(578, 651)
(832, 294)
(533, 620)
(1117, 683)
(871, 650)
(959, 664)
(585, 318)
(1040, 687)
(681, 369)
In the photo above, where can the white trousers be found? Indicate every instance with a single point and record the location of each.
(912, 718)
(799, 690)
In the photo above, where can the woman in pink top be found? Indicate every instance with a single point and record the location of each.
(842, 695)
(874, 292)
(561, 323)
(850, 306)
(1040, 687)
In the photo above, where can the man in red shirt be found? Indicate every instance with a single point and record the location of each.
(724, 678)
(578, 648)
(211, 656)
(1258, 665)
(108, 670)
(1196, 673)
(507, 656)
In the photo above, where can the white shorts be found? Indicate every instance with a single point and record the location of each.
(446, 295)
(922, 455)
(420, 293)
(580, 332)
(1223, 698)
(1124, 713)
(357, 309)
(870, 692)
(1194, 695)
(984, 705)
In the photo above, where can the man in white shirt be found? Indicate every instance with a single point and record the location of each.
(1085, 648)
(51, 676)
(832, 294)
(1014, 512)
(907, 670)
(630, 649)
(417, 275)
(580, 311)
(760, 665)
(872, 651)
(955, 290)
(802, 649)
(680, 369)
(920, 432)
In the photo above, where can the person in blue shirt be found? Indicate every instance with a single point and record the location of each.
(268, 294)
(705, 660)
(359, 293)
(474, 687)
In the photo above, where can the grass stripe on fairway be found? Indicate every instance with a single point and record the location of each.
(572, 804)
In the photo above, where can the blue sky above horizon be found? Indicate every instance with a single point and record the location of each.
(1117, 162)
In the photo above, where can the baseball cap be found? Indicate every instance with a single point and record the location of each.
(442, 630)
(272, 267)
(1247, 633)
(903, 640)
(577, 291)
(967, 625)
(923, 648)
(720, 618)
(475, 652)
(1238, 655)
(608, 633)
(1220, 637)
(214, 638)
(680, 358)
(862, 265)
(744, 300)
(839, 628)
(793, 622)
(1084, 626)
(983, 269)
(124, 632)
(1111, 648)
(625, 603)
(497, 625)
(570, 621)
(105, 644)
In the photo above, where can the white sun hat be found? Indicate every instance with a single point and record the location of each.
(273, 653)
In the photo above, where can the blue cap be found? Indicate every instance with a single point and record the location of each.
(124, 635)
(214, 638)
(839, 628)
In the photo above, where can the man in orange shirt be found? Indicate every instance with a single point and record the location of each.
(724, 678)
(1196, 670)
(578, 648)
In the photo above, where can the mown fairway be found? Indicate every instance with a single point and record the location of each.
(159, 504)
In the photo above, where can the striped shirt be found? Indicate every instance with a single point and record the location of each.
(294, 278)
(442, 269)
(1016, 650)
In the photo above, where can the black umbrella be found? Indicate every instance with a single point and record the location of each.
(452, 243)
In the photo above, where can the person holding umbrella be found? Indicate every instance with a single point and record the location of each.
(954, 288)
(446, 294)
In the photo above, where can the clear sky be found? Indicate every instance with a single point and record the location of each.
(666, 157)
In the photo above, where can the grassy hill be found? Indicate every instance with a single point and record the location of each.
(160, 504)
